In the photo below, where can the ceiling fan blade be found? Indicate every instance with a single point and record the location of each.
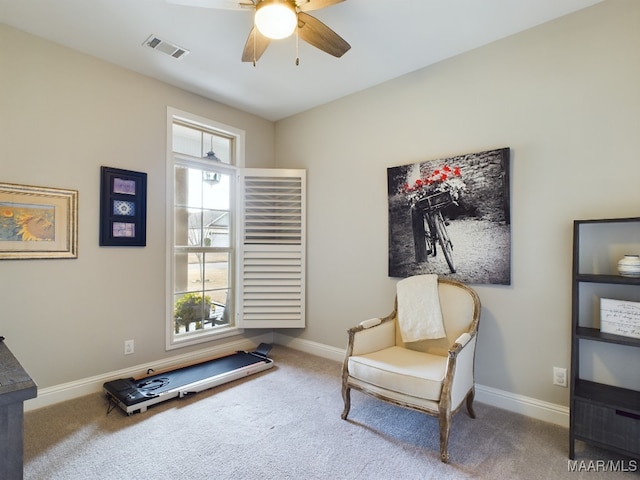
(221, 4)
(316, 33)
(255, 46)
(308, 5)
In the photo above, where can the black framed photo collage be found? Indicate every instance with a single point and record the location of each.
(123, 208)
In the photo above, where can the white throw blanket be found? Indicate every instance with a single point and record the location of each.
(419, 313)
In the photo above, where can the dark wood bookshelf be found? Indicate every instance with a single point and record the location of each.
(607, 416)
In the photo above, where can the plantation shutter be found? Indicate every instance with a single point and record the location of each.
(272, 249)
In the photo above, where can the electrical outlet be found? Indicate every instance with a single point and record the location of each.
(560, 376)
(128, 347)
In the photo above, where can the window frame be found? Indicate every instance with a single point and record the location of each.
(236, 163)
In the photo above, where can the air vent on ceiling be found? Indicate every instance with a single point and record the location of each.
(165, 47)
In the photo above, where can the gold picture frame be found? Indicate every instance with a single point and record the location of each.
(38, 222)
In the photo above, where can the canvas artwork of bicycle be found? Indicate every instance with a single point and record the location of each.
(451, 217)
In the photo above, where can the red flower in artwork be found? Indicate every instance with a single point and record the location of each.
(443, 179)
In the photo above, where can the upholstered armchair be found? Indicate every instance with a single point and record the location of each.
(430, 375)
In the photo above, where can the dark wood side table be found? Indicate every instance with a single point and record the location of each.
(16, 386)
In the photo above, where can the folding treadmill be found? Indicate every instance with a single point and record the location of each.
(136, 395)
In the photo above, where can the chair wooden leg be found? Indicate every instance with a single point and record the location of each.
(444, 419)
(470, 397)
(346, 396)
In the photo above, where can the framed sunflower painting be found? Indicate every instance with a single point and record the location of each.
(38, 222)
(123, 208)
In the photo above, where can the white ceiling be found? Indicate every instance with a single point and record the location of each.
(388, 39)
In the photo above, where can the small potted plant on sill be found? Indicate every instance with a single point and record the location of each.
(190, 309)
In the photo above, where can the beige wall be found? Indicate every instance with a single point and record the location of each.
(565, 97)
(63, 115)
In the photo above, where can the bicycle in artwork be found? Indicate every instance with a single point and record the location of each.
(427, 197)
(430, 228)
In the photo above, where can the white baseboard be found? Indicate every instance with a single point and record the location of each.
(528, 406)
(314, 348)
(87, 386)
(531, 407)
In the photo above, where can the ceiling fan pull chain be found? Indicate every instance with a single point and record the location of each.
(297, 46)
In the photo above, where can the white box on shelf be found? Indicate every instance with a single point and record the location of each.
(620, 317)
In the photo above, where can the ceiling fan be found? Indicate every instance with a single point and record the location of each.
(275, 19)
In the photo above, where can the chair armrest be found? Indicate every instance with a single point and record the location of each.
(463, 339)
(371, 335)
(459, 344)
(372, 322)
(459, 376)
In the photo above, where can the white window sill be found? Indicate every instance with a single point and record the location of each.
(195, 338)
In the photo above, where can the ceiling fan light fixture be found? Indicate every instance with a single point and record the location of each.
(276, 18)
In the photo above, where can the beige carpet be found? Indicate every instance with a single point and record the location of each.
(285, 423)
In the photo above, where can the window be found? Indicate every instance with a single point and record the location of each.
(235, 237)
(201, 173)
